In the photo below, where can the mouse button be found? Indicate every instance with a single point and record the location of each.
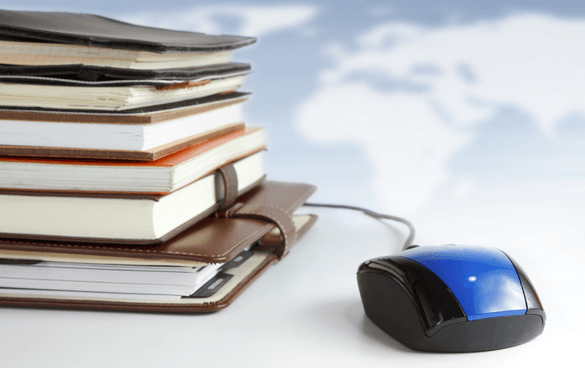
(386, 266)
(437, 304)
(533, 304)
(390, 306)
(402, 279)
(483, 280)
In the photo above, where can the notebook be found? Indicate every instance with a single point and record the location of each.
(258, 230)
(145, 134)
(161, 176)
(134, 218)
(80, 72)
(48, 93)
(60, 38)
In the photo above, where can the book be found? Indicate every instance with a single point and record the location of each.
(102, 280)
(187, 232)
(131, 217)
(240, 245)
(80, 72)
(106, 176)
(108, 96)
(135, 133)
(60, 38)
(62, 110)
(81, 76)
(47, 133)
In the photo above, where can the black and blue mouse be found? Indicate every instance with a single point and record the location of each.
(451, 299)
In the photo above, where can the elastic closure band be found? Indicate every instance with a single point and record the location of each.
(272, 214)
(226, 184)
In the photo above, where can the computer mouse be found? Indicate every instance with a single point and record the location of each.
(451, 299)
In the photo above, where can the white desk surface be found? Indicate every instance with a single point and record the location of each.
(306, 310)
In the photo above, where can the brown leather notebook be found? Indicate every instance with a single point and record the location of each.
(259, 225)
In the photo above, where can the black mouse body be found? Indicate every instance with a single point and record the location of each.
(451, 299)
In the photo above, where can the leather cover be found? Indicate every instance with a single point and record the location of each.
(97, 73)
(217, 239)
(176, 82)
(97, 31)
(153, 109)
(123, 117)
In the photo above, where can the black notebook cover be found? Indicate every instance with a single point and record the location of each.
(90, 73)
(94, 30)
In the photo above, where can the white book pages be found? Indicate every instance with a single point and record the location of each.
(60, 176)
(31, 53)
(48, 277)
(117, 218)
(107, 98)
(130, 137)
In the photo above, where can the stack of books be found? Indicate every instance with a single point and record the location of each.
(128, 179)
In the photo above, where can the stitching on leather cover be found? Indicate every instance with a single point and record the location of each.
(138, 249)
(252, 211)
(238, 288)
(267, 205)
(280, 225)
(120, 250)
(151, 307)
(257, 210)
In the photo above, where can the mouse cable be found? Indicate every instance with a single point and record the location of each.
(407, 242)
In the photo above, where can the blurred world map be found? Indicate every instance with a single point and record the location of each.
(405, 105)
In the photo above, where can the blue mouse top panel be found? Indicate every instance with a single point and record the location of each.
(483, 280)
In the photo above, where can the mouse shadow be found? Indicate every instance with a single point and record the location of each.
(348, 315)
